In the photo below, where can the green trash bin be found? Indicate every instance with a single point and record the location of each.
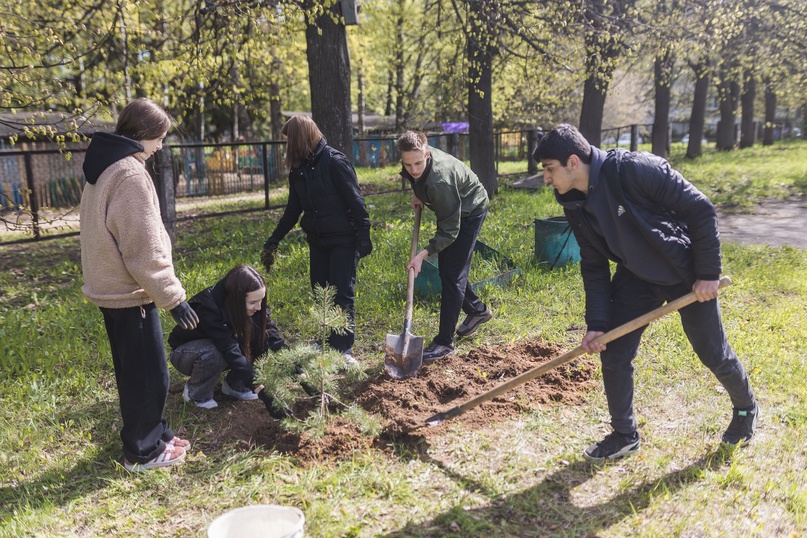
(555, 243)
(428, 280)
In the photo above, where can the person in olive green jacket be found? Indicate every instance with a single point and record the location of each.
(459, 200)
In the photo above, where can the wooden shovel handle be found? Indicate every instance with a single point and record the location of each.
(611, 335)
(410, 285)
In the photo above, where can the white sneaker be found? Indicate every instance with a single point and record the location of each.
(207, 404)
(350, 360)
(170, 456)
(246, 395)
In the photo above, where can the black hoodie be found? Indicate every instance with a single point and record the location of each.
(106, 149)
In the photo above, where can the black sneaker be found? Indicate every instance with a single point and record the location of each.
(473, 321)
(615, 445)
(741, 428)
(437, 351)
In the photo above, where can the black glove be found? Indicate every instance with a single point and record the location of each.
(277, 412)
(365, 246)
(184, 315)
(268, 254)
(309, 389)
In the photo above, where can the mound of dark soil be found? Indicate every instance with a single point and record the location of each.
(404, 405)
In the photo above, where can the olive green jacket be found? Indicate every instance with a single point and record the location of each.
(452, 191)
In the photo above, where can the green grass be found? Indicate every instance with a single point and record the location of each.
(59, 417)
(741, 178)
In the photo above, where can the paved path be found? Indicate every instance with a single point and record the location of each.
(773, 222)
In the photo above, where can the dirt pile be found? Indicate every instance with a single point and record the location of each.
(404, 405)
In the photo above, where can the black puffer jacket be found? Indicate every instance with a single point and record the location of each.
(214, 323)
(325, 190)
(642, 214)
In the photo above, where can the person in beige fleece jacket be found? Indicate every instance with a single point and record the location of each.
(128, 273)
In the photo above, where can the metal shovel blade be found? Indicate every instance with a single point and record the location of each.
(403, 355)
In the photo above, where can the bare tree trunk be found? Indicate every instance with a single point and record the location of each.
(362, 129)
(748, 134)
(770, 113)
(663, 82)
(399, 71)
(697, 119)
(201, 111)
(162, 174)
(607, 22)
(127, 79)
(329, 77)
(481, 51)
(726, 136)
(594, 91)
(390, 86)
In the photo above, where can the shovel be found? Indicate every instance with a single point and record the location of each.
(404, 353)
(529, 375)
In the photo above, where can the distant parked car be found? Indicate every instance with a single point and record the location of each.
(624, 139)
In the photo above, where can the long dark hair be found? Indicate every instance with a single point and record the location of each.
(302, 136)
(143, 119)
(239, 281)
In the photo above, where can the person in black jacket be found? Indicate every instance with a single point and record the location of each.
(636, 210)
(235, 328)
(324, 189)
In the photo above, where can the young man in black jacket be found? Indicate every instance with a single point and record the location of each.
(635, 210)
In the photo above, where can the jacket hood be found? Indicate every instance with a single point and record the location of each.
(106, 149)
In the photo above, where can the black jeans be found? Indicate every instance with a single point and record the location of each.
(632, 297)
(337, 267)
(453, 264)
(141, 372)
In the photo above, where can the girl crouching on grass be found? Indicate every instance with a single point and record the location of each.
(235, 328)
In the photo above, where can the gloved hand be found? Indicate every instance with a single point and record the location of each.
(184, 315)
(309, 389)
(278, 412)
(364, 246)
(268, 254)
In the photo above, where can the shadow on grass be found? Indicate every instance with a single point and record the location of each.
(61, 485)
(548, 508)
(66, 477)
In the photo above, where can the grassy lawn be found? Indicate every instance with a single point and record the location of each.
(60, 472)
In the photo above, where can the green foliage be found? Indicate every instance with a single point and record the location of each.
(218, 66)
(324, 370)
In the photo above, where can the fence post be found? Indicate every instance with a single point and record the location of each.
(32, 198)
(532, 143)
(162, 173)
(454, 144)
(265, 166)
(634, 137)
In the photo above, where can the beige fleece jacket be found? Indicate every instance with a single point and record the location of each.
(125, 250)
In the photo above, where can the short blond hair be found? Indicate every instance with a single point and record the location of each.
(412, 141)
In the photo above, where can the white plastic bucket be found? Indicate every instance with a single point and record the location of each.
(259, 521)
